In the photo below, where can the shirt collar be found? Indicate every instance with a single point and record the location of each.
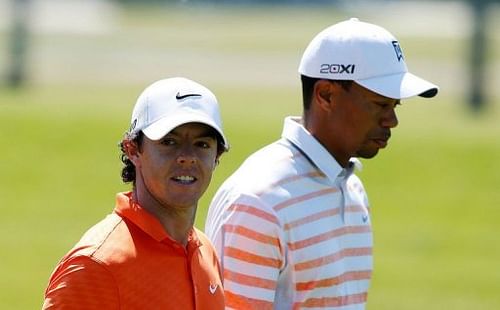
(297, 134)
(131, 210)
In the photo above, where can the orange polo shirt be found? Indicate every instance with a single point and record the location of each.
(128, 261)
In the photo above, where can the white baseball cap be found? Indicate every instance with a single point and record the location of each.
(367, 54)
(169, 103)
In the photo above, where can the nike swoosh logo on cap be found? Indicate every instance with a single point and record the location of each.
(179, 97)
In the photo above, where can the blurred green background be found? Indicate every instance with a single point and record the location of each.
(434, 192)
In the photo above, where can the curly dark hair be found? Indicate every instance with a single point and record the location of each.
(128, 170)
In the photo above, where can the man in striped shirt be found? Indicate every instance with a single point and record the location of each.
(292, 224)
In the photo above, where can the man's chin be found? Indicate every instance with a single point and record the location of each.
(367, 153)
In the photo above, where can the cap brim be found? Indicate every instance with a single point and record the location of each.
(161, 127)
(400, 86)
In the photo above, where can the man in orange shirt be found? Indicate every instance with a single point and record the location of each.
(146, 254)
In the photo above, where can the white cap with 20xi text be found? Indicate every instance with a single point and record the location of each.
(367, 54)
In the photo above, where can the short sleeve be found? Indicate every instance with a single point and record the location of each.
(251, 254)
(81, 283)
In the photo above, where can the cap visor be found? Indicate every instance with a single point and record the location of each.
(161, 127)
(400, 86)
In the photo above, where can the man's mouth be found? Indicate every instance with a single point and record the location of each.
(381, 139)
(184, 179)
(381, 142)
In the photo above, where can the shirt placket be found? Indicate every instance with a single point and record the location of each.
(341, 184)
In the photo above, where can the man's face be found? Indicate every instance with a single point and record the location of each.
(177, 169)
(360, 121)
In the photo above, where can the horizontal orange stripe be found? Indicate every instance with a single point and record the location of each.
(251, 258)
(321, 215)
(355, 208)
(241, 302)
(345, 277)
(251, 234)
(333, 301)
(289, 180)
(305, 197)
(255, 211)
(297, 177)
(249, 280)
(312, 218)
(333, 258)
(329, 235)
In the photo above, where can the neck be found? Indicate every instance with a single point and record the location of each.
(177, 222)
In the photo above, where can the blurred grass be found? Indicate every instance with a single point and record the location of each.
(434, 191)
(435, 208)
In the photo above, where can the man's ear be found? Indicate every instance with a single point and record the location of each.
(131, 149)
(216, 163)
(323, 94)
(217, 158)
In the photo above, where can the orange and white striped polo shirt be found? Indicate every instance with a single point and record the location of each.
(292, 229)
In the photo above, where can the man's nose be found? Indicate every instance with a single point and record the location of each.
(390, 119)
(186, 156)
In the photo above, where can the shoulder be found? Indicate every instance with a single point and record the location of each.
(280, 151)
(109, 242)
(264, 168)
(84, 282)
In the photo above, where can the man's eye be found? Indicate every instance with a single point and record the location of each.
(203, 144)
(384, 105)
(206, 144)
(168, 141)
